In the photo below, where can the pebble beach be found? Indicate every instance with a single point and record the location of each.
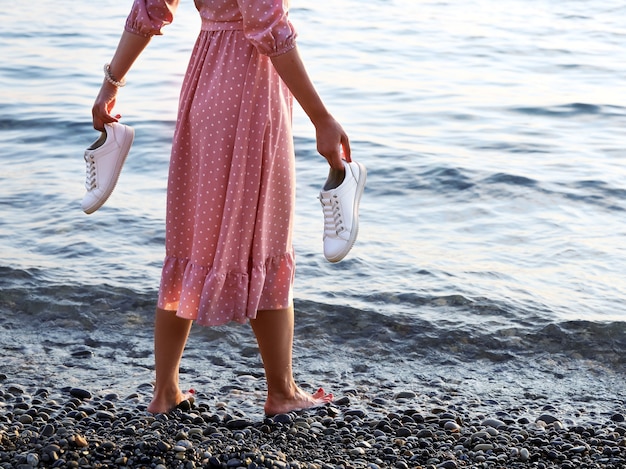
(374, 428)
(74, 387)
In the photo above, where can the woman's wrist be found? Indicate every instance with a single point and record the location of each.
(321, 117)
(111, 79)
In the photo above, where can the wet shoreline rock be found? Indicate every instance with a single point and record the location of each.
(76, 428)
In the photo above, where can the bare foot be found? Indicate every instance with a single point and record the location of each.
(163, 404)
(299, 401)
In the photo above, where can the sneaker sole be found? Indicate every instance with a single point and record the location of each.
(360, 187)
(118, 169)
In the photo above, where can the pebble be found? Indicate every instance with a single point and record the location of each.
(425, 433)
(452, 426)
(483, 447)
(80, 441)
(547, 419)
(32, 459)
(48, 430)
(105, 415)
(524, 454)
(80, 393)
(403, 432)
(25, 419)
(164, 446)
(283, 418)
(447, 465)
(494, 423)
(238, 423)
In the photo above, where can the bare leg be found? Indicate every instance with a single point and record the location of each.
(274, 334)
(170, 337)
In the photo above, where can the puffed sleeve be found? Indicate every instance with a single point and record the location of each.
(267, 27)
(147, 17)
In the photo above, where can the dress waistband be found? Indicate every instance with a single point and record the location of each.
(212, 25)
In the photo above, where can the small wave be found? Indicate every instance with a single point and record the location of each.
(446, 327)
(510, 179)
(570, 110)
(35, 123)
(595, 192)
(448, 178)
(424, 335)
(30, 293)
(525, 148)
(409, 179)
(587, 339)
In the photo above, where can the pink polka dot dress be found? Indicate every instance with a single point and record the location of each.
(230, 197)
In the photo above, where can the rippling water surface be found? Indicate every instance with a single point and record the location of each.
(492, 227)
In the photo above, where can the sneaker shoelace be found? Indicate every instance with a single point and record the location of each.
(333, 221)
(90, 176)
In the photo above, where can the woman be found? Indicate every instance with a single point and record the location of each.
(230, 199)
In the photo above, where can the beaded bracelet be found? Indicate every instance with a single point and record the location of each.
(108, 77)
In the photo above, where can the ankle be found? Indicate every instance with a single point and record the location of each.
(167, 392)
(282, 390)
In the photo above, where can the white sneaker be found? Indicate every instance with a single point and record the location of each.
(105, 158)
(341, 211)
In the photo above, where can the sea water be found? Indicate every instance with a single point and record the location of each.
(491, 247)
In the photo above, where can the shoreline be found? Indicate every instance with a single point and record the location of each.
(74, 389)
(76, 379)
(73, 428)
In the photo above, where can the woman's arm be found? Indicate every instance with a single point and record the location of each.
(330, 136)
(129, 48)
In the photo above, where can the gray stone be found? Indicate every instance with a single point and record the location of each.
(403, 432)
(524, 454)
(237, 424)
(425, 433)
(450, 464)
(32, 459)
(48, 430)
(452, 426)
(105, 415)
(25, 419)
(283, 418)
(80, 393)
(483, 447)
(547, 418)
(495, 423)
